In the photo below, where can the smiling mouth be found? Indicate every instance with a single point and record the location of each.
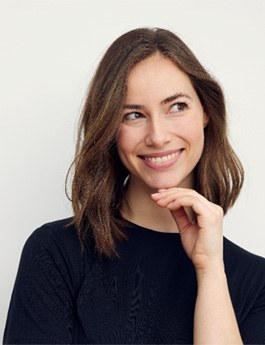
(161, 159)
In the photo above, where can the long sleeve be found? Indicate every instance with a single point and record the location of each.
(42, 304)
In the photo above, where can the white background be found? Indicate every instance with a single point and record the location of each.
(48, 51)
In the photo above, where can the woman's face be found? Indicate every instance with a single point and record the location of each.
(161, 134)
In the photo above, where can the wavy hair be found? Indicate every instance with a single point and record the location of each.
(99, 175)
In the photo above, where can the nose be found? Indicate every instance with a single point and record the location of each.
(158, 133)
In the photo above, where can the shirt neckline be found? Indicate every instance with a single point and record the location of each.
(152, 232)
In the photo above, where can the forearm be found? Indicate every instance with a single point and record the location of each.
(214, 318)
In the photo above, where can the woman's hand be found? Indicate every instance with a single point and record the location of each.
(202, 239)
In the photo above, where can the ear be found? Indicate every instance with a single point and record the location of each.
(205, 120)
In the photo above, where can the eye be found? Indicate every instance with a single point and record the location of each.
(178, 107)
(131, 116)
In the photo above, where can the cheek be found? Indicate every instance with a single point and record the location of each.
(120, 141)
(197, 141)
(193, 132)
(197, 134)
(125, 142)
(125, 147)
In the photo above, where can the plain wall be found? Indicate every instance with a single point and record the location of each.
(48, 51)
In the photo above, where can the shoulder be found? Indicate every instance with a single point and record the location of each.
(51, 272)
(57, 237)
(236, 257)
(55, 246)
(245, 273)
(61, 232)
(242, 265)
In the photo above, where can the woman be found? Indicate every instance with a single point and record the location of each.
(144, 259)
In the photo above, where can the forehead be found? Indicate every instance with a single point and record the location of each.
(157, 77)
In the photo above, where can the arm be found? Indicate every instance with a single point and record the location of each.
(214, 318)
(41, 308)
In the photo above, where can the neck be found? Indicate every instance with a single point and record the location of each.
(139, 208)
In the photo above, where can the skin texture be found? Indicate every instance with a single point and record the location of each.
(154, 125)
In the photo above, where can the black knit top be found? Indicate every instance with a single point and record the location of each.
(145, 296)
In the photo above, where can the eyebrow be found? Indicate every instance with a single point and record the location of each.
(174, 97)
(165, 101)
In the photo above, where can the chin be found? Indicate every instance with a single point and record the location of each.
(166, 184)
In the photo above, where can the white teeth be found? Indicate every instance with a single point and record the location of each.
(161, 159)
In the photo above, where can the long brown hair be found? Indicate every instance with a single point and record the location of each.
(98, 181)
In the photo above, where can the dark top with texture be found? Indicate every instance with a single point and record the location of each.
(146, 296)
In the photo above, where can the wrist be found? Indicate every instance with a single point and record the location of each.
(213, 271)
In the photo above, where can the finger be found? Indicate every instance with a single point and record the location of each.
(174, 198)
(182, 220)
(185, 201)
(162, 194)
(177, 193)
(162, 190)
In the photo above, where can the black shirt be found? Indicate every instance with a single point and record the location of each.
(145, 296)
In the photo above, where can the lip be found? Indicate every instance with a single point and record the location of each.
(160, 154)
(149, 159)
